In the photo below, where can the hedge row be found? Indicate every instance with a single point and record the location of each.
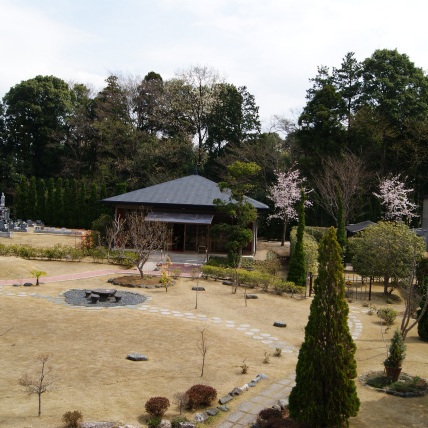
(58, 252)
(252, 279)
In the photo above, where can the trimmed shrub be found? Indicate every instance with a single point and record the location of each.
(157, 406)
(388, 315)
(310, 247)
(316, 232)
(200, 395)
(72, 419)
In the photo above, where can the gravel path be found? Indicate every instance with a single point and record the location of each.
(78, 297)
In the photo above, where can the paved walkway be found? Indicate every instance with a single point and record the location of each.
(246, 412)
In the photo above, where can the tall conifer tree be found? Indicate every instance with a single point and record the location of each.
(74, 211)
(50, 203)
(325, 393)
(41, 200)
(58, 204)
(297, 266)
(83, 206)
(32, 199)
(341, 232)
(20, 199)
(66, 203)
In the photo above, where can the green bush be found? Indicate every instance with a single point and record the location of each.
(316, 232)
(388, 315)
(216, 272)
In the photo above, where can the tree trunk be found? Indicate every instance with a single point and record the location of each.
(284, 228)
(385, 285)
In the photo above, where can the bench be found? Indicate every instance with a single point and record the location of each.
(117, 298)
(95, 298)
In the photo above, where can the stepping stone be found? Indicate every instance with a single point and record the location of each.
(279, 324)
(241, 328)
(255, 330)
(135, 356)
(265, 335)
(178, 315)
(258, 337)
(191, 318)
(230, 325)
(217, 321)
(216, 318)
(244, 325)
(267, 342)
(249, 333)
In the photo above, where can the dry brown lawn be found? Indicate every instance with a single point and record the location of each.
(89, 349)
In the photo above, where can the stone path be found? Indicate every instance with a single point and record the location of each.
(246, 412)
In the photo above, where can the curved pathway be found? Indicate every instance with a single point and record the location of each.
(246, 412)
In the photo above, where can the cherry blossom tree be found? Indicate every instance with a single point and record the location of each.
(286, 194)
(394, 198)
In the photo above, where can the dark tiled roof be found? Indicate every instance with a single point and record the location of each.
(354, 228)
(190, 191)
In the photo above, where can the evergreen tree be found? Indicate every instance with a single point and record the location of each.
(20, 200)
(83, 207)
(74, 207)
(32, 199)
(297, 268)
(325, 393)
(41, 200)
(66, 203)
(103, 195)
(58, 204)
(50, 203)
(93, 209)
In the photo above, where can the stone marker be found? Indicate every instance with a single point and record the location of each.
(279, 324)
(212, 412)
(201, 417)
(235, 391)
(135, 356)
(225, 399)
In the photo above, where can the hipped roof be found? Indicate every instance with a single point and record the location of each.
(192, 191)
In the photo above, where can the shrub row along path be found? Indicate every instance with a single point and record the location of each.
(246, 412)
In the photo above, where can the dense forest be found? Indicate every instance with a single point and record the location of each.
(362, 121)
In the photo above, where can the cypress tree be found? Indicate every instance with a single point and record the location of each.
(74, 206)
(58, 204)
(41, 200)
(297, 266)
(50, 208)
(325, 392)
(83, 207)
(32, 199)
(66, 203)
(93, 208)
(20, 199)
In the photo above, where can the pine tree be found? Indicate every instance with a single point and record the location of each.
(32, 199)
(297, 267)
(41, 200)
(325, 393)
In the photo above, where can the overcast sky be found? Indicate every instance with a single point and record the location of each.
(271, 46)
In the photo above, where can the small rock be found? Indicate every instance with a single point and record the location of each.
(245, 387)
(251, 296)
(225, 399)
(255, 380)
(283, 403)
(135, 356)
(150, 286)
(276, 407)
(235, 391)
(187, 424)
(223, 408)
(279, 324)
(212, 412)
(198, 288)
(262, 376)
(227, 283)
(16, 285)
(158, 286)
(98, 425)
(27, 284)
(164, 423)
(251, 384)
(201, 417)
